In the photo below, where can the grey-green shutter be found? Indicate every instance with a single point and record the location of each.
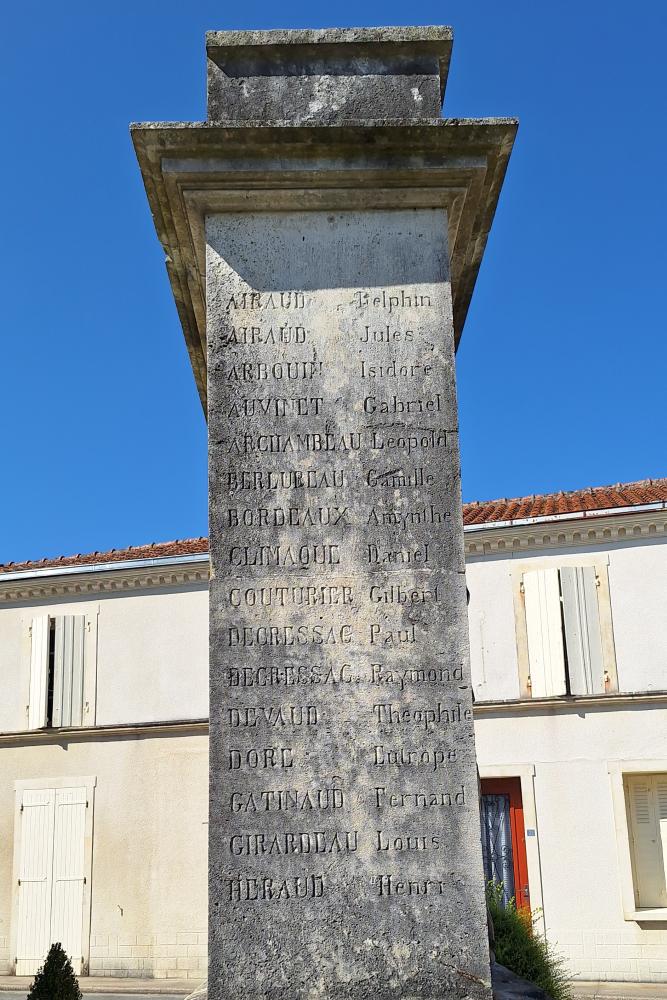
(68, 670)
(582, 629)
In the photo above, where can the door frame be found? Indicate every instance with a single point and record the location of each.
(512, 788)
(526, 775)
(20, 786)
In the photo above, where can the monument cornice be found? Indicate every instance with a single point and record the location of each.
(191, 169)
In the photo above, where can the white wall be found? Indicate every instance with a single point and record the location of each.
(494, 665)
(570, 749)
(638, 592)
(149, 859)
(638, 586)
(151, 656)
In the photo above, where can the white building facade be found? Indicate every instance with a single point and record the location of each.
(104, 763)
(103, 739)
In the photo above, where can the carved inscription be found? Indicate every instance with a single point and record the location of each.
(343, 709)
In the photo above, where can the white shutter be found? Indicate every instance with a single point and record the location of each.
(545, 633)
(582, 630)
(661, 802)
(33, 938)
(69, 871)
(39, 672)
(68, 670)
(648, 806)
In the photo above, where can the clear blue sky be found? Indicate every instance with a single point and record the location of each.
(563, 359)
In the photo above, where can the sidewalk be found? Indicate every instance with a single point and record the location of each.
(105, 984)
(590, 990)
(619, 991)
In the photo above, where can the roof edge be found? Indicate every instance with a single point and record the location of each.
(181, 551)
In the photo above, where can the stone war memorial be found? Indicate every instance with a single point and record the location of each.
(323, 232)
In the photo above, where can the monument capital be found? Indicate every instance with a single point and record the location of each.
(262, 146)
(327, 75)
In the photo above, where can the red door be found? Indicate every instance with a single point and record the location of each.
(504, 837)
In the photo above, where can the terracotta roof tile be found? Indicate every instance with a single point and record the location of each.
(155, 550)
(479, 512)
(575, 502)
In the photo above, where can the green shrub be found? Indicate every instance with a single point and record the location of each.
(520, 948)
(55, 980)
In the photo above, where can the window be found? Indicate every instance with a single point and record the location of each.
(567, 650)
(56, 671)
(646, 804)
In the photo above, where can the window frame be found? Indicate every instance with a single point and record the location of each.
(618, 771)
(90, 644)
(600, 563)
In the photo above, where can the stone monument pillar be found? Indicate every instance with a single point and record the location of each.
(323, 232)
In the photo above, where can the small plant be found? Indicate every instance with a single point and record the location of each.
(55, 980)
(521, 949)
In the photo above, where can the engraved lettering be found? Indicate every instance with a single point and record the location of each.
(276, 406)
(428, 514)
(261, 371)
(289, 635)
(392, 637)
(418, 800)
(395, 370)
(431, 758)
(379, 556)
(396, 479)
(301, 556)
(238, 480)
(423, 718)
(252, 335)
(287, 675)
(275, 889)
(395, 405)
(285, 597)
(259, 300)
(309, 842)
(391, 302)
(399, 594)
(393, 885)
(281, 715)
(263, 759)
(386, 842)
(381, 441)
(287, 800)
(385, 335)
(381, 674)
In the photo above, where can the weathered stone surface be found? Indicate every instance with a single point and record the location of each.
(506, 986)
(344, 834)
(327, 75)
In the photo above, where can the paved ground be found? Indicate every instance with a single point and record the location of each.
(16, 988)
(620, 991)
(107, 996)
(585, 991)
(104, 988)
